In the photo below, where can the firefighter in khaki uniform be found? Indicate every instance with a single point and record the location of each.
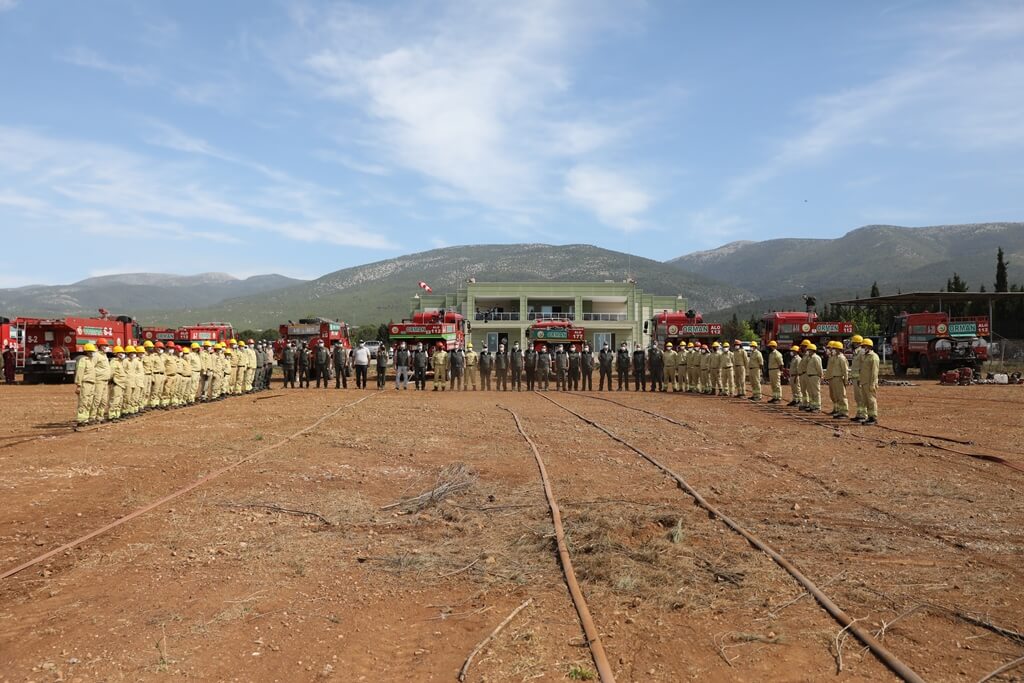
(85, 384)
(755, 366)
(775, 365)
(706, 384)
(118, 382)
(195, 363)
(216, 379)
(869, 383)
(812, 375)
(170, 377)
(156, 391)
(837, 374)
(472, 371)
(101, 399)
(671, 361)
(250, 367)
(727, 388)
(132, 394)
(715, 368)
(804, 384)
(440, 365)
(184, 375)
(147, 369)
(142, 380)
(794, 375)
(227, 371)
(739, 370)
(858, 358)
(693, 356)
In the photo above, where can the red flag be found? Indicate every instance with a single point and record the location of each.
(425, 287)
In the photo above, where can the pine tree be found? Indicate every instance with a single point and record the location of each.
(1002, 285)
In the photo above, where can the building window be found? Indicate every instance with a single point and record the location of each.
(602, 338)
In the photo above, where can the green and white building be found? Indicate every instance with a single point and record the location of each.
(502, 312)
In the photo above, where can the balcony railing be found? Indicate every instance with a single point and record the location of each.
(484, 315)
(550, 316)
(607, 317)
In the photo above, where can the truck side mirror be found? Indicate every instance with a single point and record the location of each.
(647, 326)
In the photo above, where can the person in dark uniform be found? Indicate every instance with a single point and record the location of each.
(587, 369)
(574, 368)
(544, 368)
(382, 364)
(656, 364)
(402, 358)
(321, 359)
(501, 368)
(622, 366)
(486, 363)
(302, 366)
(339, 358)
(530, 367)
(516, 366)
(605, 361)
(420, 360)
(289, 359)
(561, 369)
(639, 371)
(456, 368)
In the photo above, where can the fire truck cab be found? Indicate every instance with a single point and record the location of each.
(935, 342)
(309, 331)
(52, 346)
(555, 332)
(787, 327)
(431, 327)
(680, 327)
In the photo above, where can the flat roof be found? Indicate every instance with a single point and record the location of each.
(931, 297)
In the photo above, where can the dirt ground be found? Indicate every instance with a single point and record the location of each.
(923, 546)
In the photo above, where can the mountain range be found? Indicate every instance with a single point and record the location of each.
(739, 277)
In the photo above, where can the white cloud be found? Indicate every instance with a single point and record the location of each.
(474, 97)
(90, 59)
(963, 85)
(616, 200)
(105, 190)
(6, 5)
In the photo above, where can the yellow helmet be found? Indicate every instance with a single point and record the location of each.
(857, 339)
(185, 349)
(811, 347)
(118, 349)
(715, 345)
(469, 345)
(195, 345)
(130, 349)
(773, 344)
(207, 343)
(233, 341)
(241, 343)
(835, 345)
(805, 343)
(139, 349)
(668, 345)
(753, 343)
(689, 345)
(89, 347)
(227, 351)
(147, 344)
(868, 342)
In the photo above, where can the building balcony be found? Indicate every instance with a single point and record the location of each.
(606, 317)
(536, 315)
(487, 316)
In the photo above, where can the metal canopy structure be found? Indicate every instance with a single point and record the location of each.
(937, 298)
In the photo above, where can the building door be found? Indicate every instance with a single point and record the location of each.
(602, 338)
(492, 341)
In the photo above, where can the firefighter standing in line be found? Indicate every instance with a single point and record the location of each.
(726, 368)
(755, 370)
(402, 358)
(544, 368)
(250, 366)
(101, 397)
(486, 363)
(420, 360)
(695, 355)
(561, 361)
(472, 367)
(501, 368)
(587, 368)
(804, 384)
(118, 383)
(456, 368)
(656, 365)
(214, 371)
(440, 364)
(622, 366)
(205, 362)
(605, 360)
(130, 390)
(574, 368)
(142, 381)
(858, 358)
(302, 366)
(715, 368)
(184, 375)
(739, 370)
(704, 370)
(289, 360)
(156, 393)
(671, 366)
(382, 364)
(530, 367)
(869, 383)
(515, 361)
(775, 366)
(639, 371)
(339, 358)
(837, 374)
(794, 375)
(321, 360)
(813, 373)
(195, 362)
(147, 368)
(85, 384)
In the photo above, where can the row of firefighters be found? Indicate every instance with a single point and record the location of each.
(114, 383)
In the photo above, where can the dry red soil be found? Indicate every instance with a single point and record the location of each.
(922, 546)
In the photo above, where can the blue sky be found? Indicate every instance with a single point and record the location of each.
(303, 137)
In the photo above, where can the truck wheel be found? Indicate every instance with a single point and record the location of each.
(926, 367)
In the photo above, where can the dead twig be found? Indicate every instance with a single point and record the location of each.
(451, 479)
(774, 612)
(459, 571)
(838, 643)
(464, 671)
(278, 508)
(1001, 670)
(880, 633)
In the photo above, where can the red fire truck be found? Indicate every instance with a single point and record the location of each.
(430, 327)
(786, 327)
(9, 334)
(553, 332)
(308, 331)
(53, 345)
(934, 342)
(680, 327)
(200, 332)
